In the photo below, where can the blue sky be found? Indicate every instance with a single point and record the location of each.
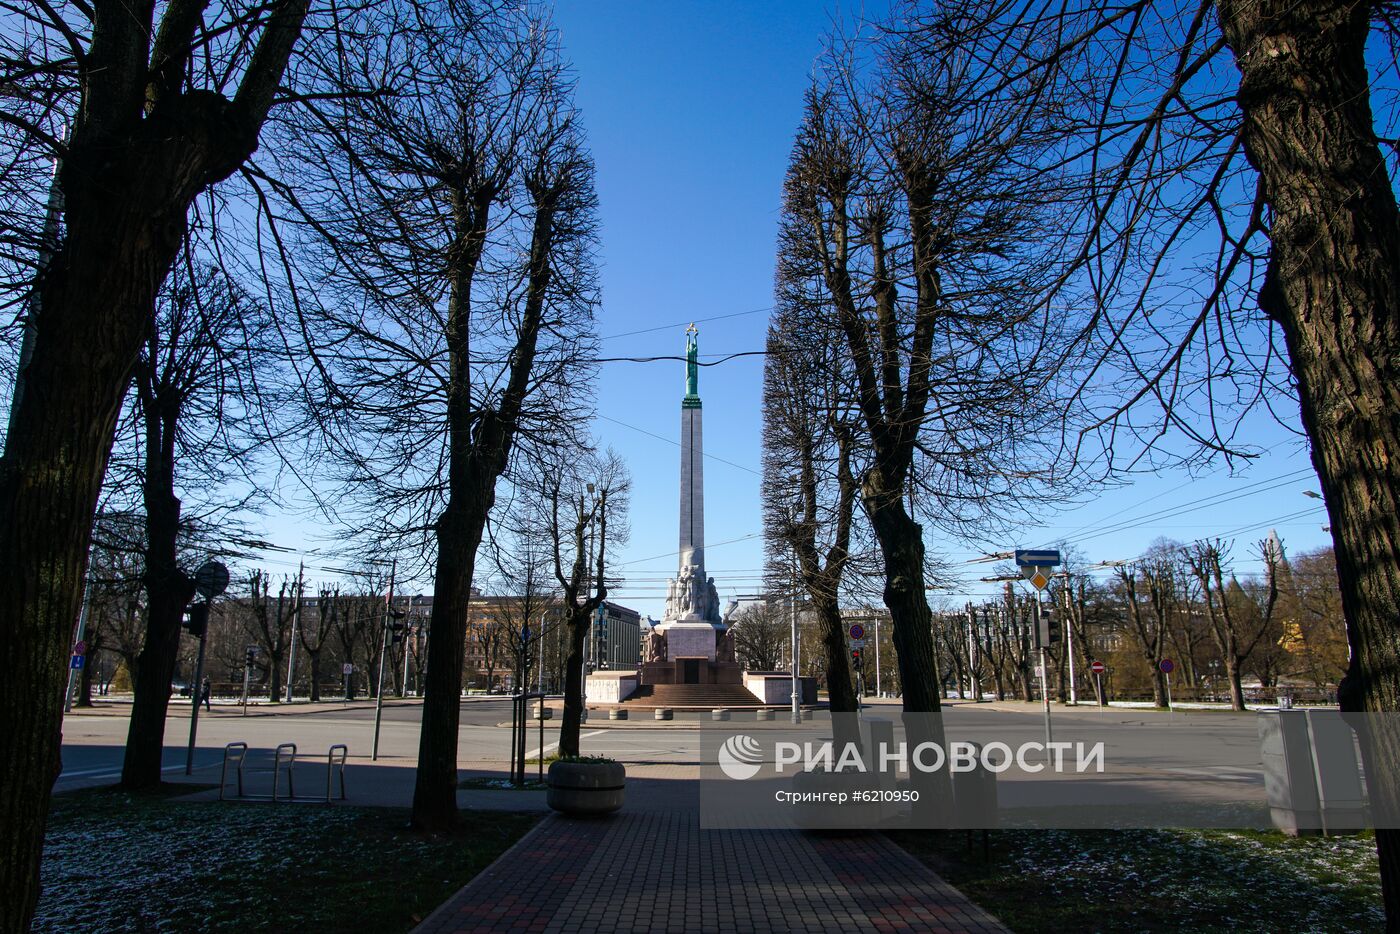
(690, 109)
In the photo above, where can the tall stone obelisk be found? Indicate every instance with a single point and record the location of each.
(691, 622)
(692, 529)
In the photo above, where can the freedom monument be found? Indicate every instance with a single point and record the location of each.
(688, 659)
(692, 644)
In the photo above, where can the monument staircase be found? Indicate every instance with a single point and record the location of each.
(692, 696)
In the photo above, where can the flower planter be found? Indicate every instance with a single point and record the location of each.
(583, 789)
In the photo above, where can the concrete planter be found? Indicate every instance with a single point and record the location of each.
(583, 789)
(617, 715)
(664, 713)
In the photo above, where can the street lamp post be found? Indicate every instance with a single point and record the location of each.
(796, 683)
(383, 646)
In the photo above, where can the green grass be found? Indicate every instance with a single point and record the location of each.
(117, 862)
(1162, 880)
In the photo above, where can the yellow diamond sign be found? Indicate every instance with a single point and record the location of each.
(1039, 580)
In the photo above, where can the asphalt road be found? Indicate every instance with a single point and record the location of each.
(1206, 743)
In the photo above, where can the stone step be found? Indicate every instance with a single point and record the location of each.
(702, 696)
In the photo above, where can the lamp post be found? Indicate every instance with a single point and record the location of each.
(796, 649)
(383, 646)
(587, 572)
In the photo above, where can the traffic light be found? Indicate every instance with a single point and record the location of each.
(396, 628)
(1049, 629)
(250, 656)
(196, 619)
(855, 657)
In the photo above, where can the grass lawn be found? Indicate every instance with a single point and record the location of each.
(120, 862)
(1162, 880)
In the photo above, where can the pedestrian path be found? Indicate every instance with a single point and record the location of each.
(658, 871)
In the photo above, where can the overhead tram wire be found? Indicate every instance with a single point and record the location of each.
(681, 324)
(1111, 527)
(1143, 502)
(707, 454)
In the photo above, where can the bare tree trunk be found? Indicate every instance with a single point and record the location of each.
(1232, 671)
(573, 682)
(1333, 287)
(458, 535)
(902, 545)
(168, 591)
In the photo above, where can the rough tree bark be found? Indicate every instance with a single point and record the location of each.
(139, 153)
(479, 445)
(1333, 287)
(168, 590)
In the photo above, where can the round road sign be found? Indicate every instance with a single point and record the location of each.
(80, 647)
(1167, 666)
(211, 579)
(1097, 668)
(857, 631)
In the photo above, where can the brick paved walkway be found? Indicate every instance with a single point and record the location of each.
(658, 871)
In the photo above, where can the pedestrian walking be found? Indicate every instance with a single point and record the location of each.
(204, 695)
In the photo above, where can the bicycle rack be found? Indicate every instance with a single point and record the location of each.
(291, 752)
(237, 752)
(344, 751)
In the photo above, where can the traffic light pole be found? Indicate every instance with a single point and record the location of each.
(196, 694)
(1040, 636)
(383, 646)
(75, 674)
(1069, 641)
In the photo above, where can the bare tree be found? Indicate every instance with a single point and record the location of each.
(156, 114)
(455, 218)
(588, 513)
(314, 637)
(762, 636)
(193, 392)
(1236, 638)
(522, 567)
(810, 485)
(272, 625)
(898, 202)
(1240, 242)
(1149, 629)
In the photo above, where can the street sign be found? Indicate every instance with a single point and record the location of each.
(1037, 559)
(1098, 668)
(1039, 580)
(211, 579)
(76, 661)
(857, 631)
(1167, 666)
(1040, 672)
(347, 669)
(80, 648)
(857, 643)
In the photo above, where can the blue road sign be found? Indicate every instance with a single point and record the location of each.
(1037, 559)
(75, 661)
(857, 631)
